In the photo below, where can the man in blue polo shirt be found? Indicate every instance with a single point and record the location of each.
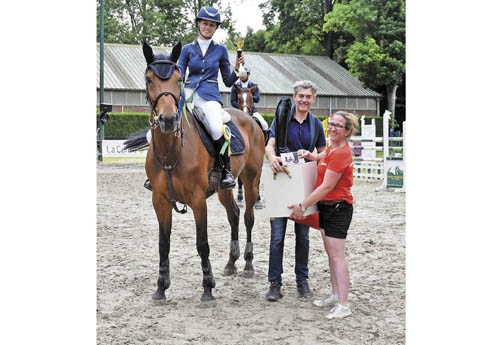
(305, 131)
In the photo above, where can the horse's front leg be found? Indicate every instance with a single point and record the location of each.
(200, 216)
(164, 214)
(233, 216)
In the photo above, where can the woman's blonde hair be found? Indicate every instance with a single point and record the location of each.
(351, 122)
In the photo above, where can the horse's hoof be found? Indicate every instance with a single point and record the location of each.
(230, 270)
(239, 203)
(160, 302)
(159, 298)
(207, 299)
(208, 304)
(159, 295)
(248, 273)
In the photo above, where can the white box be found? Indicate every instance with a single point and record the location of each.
(284, 191)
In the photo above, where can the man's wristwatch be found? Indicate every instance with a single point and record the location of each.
(302, 208)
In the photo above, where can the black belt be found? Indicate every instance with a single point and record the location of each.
(330, 202)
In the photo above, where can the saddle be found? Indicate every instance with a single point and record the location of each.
(237, 144)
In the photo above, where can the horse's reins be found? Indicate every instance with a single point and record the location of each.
(168, 168)
(162, 161)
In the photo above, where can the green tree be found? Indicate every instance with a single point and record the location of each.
(255, 42)
(377, 55)
(294, 27)
(160, 22)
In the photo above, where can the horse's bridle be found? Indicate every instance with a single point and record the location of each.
(179, 132)
(154, 123)
(249, 107)
(153, 105)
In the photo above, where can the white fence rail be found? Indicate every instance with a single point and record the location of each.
(390, 166)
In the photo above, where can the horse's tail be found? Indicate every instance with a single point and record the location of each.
(137, 141)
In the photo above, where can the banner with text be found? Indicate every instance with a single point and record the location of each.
(113, 152)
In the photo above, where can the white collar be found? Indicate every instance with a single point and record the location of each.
(204, 42)
(204, 45)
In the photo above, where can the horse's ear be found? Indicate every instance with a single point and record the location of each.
(238, 88)
(148, 52)
(253, 88)
(176, 51)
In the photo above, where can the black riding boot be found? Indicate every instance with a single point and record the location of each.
(227, 177)
(147, 185)
(266, 136)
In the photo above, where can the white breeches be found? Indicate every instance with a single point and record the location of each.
(213, 113)
(261, 120)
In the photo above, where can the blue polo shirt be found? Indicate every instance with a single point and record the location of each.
(299, 134)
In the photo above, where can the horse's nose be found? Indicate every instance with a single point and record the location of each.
(168, 122)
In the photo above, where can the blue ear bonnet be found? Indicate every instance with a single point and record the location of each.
(162, 66)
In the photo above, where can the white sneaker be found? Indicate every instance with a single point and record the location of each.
(329, 300)
(339, 312)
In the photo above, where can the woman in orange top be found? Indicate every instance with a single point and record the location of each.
(334, 198)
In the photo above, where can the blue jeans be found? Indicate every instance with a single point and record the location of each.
(278, 230)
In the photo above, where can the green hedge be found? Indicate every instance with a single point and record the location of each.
(122, 125)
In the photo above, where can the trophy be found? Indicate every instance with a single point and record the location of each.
(239, 44)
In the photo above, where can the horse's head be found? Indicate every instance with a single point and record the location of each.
(245, 98)
(164, 88)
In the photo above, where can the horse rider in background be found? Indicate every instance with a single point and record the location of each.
(245, 82)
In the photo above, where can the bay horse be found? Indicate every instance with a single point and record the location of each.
(245, 103)
(178, 165)
(245, 98)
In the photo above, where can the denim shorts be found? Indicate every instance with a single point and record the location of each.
(335, 218)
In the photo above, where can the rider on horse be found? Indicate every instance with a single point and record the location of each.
(179, 164)
(203, 58)
(245, 83)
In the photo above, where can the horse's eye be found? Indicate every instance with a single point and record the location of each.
(148, 80)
